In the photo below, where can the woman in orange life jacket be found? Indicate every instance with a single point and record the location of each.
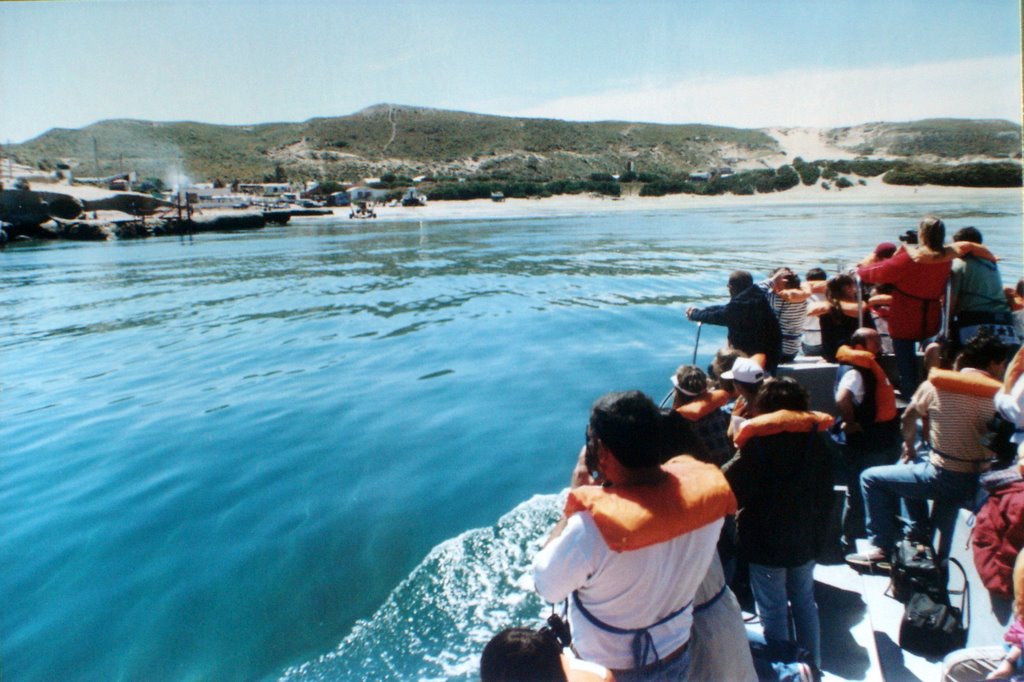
(782, 479)
(701, 407)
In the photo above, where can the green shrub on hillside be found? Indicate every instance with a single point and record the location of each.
(1004, 174)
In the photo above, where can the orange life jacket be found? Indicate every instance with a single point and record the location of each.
(966, 383)
(782, 421)
(690, 496)
(885, 396)
(704, 404)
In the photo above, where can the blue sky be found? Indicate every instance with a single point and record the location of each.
(747, 63)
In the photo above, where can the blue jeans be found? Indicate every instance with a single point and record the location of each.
(774, 661)
(675, 670)
(916, 483)
(906, 365)
(775, 589)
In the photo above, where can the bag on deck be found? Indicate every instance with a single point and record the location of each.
(997, 439)
(931, 628)
(914, 569)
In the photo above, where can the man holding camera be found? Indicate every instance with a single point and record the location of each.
(634, 543)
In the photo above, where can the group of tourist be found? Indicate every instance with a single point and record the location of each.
(665, 508)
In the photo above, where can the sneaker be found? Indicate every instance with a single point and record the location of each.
(875, 559)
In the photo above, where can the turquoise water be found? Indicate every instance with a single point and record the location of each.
(325, 451)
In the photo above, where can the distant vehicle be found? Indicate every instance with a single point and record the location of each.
(362, 212)
(413, 197)
(498, 196)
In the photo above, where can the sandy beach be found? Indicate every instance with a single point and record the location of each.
(874, 192)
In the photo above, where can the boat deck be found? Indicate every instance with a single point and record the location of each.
(860, 623)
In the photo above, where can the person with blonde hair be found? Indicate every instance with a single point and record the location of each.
(918, 274)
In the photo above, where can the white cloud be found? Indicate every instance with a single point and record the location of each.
(975, 88)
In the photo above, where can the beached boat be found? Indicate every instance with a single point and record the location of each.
(362, 212)
(413, 198)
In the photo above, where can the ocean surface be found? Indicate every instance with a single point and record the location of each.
(327, 451)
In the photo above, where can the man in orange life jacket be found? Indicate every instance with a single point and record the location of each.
(867, 431)
(955, 406)
(634, 543)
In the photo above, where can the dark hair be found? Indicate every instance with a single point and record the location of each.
(740, 280)
(1020, 287)
(932, 232)
(967, 234)
(834, 294)
(816, 274)
(861, 335)
(780, 393)
(692, 379)
(982, 350)
(629, 424)
(678, 436)
(522, 654)
(724, 359)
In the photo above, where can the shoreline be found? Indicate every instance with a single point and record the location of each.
(106, 224)
(877, 193)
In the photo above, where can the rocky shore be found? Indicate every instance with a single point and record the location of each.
(27, 214)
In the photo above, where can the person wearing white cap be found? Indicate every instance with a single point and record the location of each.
(747, 376)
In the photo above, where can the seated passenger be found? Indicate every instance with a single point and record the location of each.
(955, 407)
(867, 430)
(993, 662)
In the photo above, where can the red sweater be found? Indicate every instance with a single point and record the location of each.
(917, 302)
(998, 537)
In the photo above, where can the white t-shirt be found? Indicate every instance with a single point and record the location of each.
(1011, 406)
(625, 589)
(853, 382)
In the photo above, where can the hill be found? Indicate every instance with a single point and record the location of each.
(413, 141)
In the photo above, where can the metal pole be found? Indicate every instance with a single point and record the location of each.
(696, 344)
(860, 302)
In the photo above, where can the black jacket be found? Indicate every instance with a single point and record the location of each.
(753, 327)
(783, 485)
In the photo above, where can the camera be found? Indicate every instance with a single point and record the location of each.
(909, 237)
(560, 629)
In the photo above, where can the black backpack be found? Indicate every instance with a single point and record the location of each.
(931, 628)
(914, 569)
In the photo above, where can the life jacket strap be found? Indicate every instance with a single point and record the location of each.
(643, 643)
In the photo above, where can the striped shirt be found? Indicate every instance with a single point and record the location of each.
(791, 318)
(956, 423)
